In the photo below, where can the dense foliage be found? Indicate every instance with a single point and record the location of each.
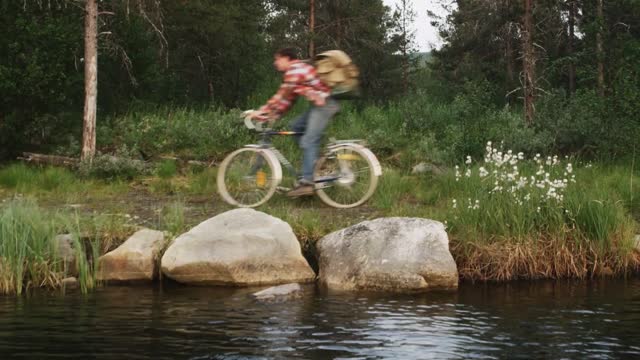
(216, 54)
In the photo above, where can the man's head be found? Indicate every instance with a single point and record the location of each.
(283, 58)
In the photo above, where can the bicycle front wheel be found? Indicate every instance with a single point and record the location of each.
(347, 176)
(248, 178)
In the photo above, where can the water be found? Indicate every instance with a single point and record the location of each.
(552, 320)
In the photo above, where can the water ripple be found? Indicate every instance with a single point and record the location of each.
(525, 320)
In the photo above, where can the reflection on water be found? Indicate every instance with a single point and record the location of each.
(554, 320)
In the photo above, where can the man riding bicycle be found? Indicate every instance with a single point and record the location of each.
(300, 79)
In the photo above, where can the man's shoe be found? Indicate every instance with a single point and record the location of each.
(302, 190)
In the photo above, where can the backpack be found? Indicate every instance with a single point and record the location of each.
(336, 69)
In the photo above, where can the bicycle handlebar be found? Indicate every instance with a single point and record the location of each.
(253, 124)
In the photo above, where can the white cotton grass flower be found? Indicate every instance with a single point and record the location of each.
(522, 182)
(506, 173)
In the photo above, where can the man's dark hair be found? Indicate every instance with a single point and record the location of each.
(289, 52)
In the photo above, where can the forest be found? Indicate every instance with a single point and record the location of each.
(542, 76)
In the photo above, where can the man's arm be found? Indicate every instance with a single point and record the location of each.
(279, 103)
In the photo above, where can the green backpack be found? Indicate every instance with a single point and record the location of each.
(336, 69)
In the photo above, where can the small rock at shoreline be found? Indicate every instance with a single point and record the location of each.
(281, 292)
(135, 260)
(69, 283)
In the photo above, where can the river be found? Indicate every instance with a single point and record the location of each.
(548, 320)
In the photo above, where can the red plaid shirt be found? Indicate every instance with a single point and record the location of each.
(299, 80)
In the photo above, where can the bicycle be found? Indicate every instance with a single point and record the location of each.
(346, 174)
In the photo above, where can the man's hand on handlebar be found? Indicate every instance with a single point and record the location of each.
(259, 115)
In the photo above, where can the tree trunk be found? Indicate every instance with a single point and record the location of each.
(572, 65)
(529, 62)
(338, 31)
(312, 24)
(90, 79)
(334, 12)
(509, 48)
(405, 55)
(600, 49)
(509, 59)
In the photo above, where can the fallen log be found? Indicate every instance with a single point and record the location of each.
(58, 160)
(49, 159)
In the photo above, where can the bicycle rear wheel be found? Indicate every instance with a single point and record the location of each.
(347, 176)
(247, 178)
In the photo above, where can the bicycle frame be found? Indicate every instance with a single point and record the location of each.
(268, 150)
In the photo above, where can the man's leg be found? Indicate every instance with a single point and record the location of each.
(317, 122)
(299, 124)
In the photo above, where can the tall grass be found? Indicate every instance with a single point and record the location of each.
(29, 255)
(172, 218)
(540, 216)
(54, 182)
(203, 182)
(28, 179)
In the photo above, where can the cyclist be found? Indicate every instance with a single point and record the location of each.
(300, 79)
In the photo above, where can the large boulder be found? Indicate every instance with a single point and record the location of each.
(388, 254)
(241, 247)
(135, 260)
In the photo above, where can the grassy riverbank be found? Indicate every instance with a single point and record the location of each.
(510, 213)
(507, 217)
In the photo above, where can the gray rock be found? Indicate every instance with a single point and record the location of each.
(280, 292)
(425, 168)
(388, 254)
(64, 248)
(241, 247)
(636, 243)
(136, 259)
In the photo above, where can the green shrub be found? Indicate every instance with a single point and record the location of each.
(166, 169)
(187, 133)
(122, 165)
